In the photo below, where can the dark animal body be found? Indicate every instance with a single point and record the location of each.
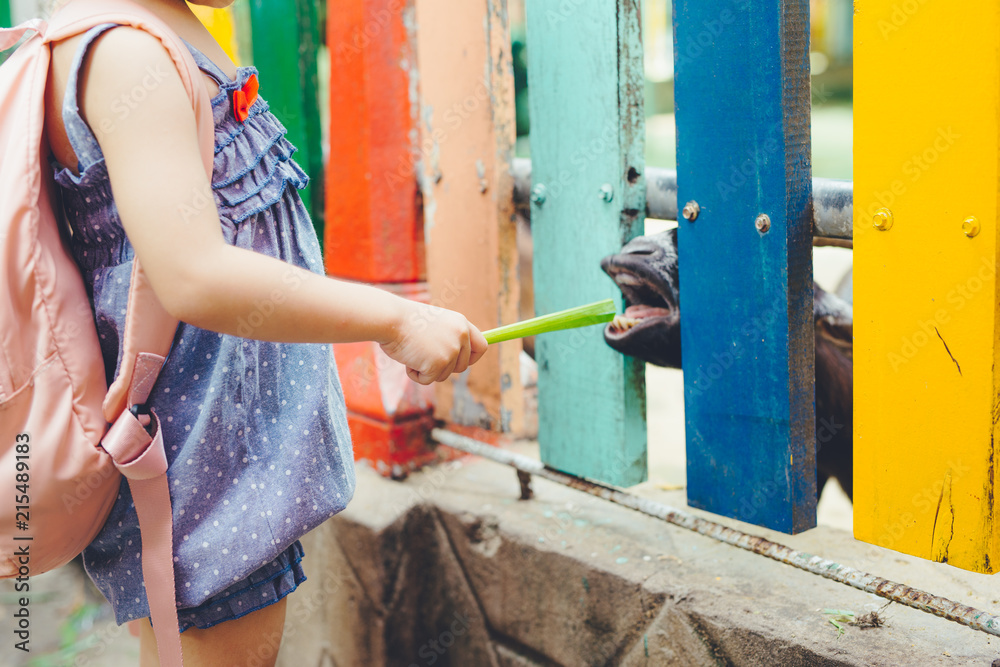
(646, 272)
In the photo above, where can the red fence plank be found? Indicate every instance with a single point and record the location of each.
(374, 229)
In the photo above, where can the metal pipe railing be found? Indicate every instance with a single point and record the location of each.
(833, 201)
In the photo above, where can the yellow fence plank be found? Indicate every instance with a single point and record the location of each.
(927, 395)
(220, 23)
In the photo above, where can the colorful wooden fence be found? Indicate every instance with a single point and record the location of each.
(421, 166)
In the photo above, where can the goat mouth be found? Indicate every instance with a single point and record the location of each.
(646, 304)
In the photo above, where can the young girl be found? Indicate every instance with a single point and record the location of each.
(252, 414)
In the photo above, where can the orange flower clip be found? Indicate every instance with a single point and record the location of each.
(243, 98)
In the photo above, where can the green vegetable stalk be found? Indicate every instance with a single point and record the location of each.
(581, 316)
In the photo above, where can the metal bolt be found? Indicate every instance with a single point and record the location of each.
(691, 211)
(607, 192)
(882, 220)
(762, 223)
(538, 194)
(971, 226)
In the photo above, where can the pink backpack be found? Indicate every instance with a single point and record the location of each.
(58, 456)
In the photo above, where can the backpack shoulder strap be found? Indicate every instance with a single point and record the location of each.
(11, 36)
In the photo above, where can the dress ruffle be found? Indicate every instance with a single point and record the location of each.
(264, 586)
(252, 158)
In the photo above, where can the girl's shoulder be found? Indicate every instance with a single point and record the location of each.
(119, 69)
(102, 60)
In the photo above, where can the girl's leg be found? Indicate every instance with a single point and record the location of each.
(249, 640)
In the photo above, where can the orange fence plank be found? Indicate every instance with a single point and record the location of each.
(467, 134)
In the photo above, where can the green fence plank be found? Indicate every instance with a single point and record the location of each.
(286, 39)
(587, 127)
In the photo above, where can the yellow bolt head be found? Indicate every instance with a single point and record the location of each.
(882, 220)
(971, 226)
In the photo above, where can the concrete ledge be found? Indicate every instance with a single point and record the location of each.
(449, 568)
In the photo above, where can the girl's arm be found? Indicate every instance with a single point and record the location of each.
(166, 205)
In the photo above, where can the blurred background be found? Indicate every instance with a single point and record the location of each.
(832, 91)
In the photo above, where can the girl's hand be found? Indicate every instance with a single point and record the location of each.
(434, 342)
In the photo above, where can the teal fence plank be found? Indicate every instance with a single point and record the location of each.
(286, 39)
(742, 109)
(586, 82)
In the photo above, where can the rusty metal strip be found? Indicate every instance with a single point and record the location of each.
(870, 583)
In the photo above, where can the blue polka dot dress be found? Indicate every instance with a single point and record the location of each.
(256, 433)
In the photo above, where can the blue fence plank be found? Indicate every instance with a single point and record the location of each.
(742, 113)
(587, 138)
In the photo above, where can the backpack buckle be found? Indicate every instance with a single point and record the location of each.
(142, 409)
